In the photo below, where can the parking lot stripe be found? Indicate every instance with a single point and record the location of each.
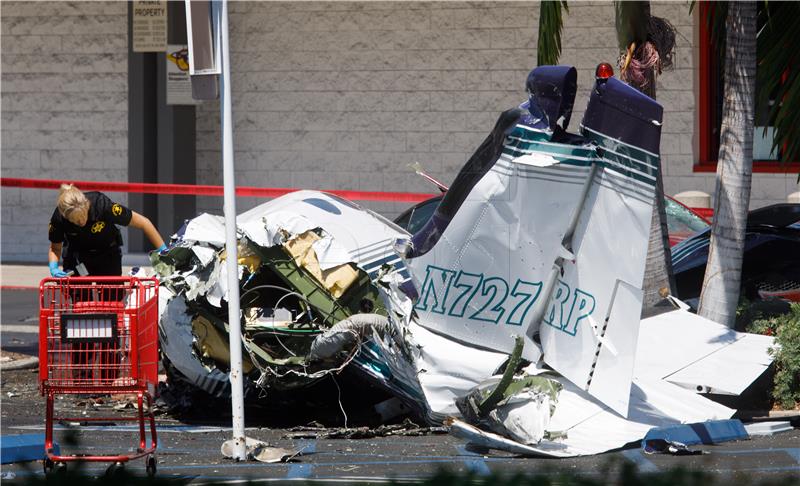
(637, 457)
(475, 463)
(20, 328)
(794, 452)
(299, 471)
(306, 446)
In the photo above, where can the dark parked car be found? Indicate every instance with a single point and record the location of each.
(771, 266)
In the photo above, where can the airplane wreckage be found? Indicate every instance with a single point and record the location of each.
(514, 315)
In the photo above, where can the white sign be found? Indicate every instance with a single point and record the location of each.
(179, 84)
(150, 26)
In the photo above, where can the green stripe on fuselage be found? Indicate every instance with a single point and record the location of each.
(631, 162)
(628, 155)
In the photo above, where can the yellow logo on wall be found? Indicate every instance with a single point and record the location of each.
(116, 209)
(98, 227)
(180, 58)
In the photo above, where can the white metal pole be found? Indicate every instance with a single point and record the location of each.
(229, 181)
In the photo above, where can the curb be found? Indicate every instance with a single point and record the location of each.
(20, 364)
(768, 415)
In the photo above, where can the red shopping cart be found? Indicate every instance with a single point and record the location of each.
(99, 336)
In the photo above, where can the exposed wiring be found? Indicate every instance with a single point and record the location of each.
(288, 292)
(339, 399)
(283, 345)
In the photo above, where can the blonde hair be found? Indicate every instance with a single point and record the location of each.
(71, 199)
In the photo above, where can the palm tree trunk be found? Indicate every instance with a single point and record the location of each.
(722, 281)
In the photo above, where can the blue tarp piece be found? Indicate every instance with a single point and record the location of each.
(711, 432)
(21, 448)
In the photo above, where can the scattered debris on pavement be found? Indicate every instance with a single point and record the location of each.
(405, 429)
(674, 448)
(257, 450)
(675, 439)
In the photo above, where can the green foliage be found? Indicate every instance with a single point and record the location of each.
(631, 20)
(76, 474)
(747, 312)
(786, 329)
(716, 14)
(612, 471)
(550, 26)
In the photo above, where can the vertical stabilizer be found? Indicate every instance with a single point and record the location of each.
(589, 329)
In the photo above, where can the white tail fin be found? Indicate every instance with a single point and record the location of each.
(550, 239)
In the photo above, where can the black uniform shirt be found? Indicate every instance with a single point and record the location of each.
(100, 234)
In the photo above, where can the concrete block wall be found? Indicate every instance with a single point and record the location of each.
(64, 109)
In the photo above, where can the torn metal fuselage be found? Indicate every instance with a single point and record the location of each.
(311, 301)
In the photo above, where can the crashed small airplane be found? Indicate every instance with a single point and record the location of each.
(514, 315)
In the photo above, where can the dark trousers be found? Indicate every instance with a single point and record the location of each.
(106, 264)
(88, 355)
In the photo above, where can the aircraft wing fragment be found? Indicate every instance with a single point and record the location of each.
(701, 355)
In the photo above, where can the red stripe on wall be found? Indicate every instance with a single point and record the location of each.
(203, 190)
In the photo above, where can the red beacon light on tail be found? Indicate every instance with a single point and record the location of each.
(604, 71)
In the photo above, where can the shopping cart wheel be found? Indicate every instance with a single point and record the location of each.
(115, 469)
(51, 467)
(151, 466)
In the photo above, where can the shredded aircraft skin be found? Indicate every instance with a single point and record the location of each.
(308, 311)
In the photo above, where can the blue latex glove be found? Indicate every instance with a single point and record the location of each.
(57, 272)
(162, 248)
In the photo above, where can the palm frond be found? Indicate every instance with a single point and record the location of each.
(778, 75)
(716, 14)
(550, 26)
(631, 20)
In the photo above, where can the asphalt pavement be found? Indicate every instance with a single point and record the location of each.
(191, 450)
